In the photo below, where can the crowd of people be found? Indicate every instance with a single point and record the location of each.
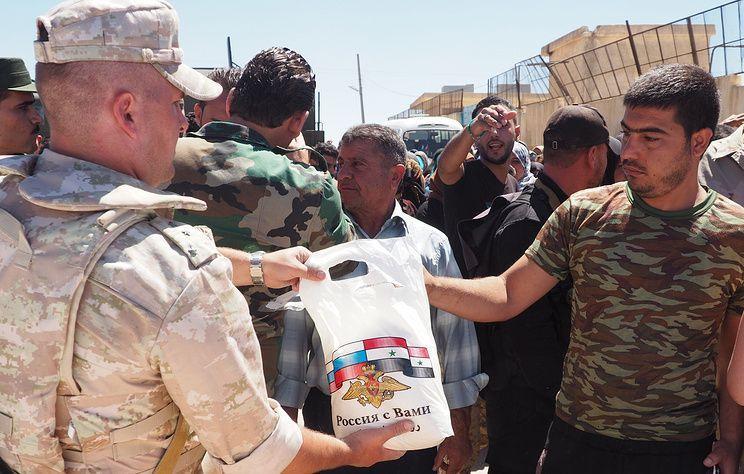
(585, 292)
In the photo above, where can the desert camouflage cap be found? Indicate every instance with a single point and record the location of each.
(138, 31)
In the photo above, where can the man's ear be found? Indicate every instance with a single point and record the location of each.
(228, 102)
(198, 113)
(517, 129)
(699, 141)
(596, 157)
(296, 121)
(592, 156)
(397, 174)
(124, 110)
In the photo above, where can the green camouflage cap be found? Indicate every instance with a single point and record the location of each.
(14, 76)
(137, 31)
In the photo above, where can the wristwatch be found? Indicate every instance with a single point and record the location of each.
(257, 276)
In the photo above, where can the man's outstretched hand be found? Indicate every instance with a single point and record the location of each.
(320, 452)
(281, 268)
(286, 267)
(367, 445)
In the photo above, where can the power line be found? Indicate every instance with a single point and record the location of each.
(390, 90)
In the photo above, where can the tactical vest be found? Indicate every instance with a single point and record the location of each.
(46, 256)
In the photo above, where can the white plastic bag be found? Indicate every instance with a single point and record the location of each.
(381, 359)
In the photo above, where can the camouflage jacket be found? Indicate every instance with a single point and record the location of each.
(160, 330)
(257, 199)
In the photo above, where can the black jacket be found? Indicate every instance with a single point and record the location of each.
(531, 345)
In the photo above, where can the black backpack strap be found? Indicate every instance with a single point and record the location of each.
(476, 234)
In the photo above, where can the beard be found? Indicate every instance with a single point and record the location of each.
(498, 157)
(674, 175)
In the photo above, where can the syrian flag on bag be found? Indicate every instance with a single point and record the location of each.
(384, 354)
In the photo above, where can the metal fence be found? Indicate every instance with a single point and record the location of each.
(711, 39)
(444, 104)
(527, 82)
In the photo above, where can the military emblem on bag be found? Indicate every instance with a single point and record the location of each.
(373, 387)
(366, 364)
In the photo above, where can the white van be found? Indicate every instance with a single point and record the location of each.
(427, 134)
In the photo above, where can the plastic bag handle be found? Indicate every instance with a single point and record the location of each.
(327, 258)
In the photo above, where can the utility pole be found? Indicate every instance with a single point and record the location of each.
(317, 114)
(230, 62)
(361, 96)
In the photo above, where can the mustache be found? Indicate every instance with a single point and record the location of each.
(631, 164)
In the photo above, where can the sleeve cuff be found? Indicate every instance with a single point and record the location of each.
(290, 393)
(275, 453)
(464, 393)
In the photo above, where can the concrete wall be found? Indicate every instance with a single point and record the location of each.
(422, 98)
(731, 89)
(468, 98)
(533, 117)
(591, 74)
(607, 72)
(472, 98)
(532, 120)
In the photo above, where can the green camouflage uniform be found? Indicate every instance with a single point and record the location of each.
(257, 200)
(651, 289)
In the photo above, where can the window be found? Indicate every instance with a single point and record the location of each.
(428, 141)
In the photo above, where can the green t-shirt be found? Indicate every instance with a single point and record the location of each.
(651, 289)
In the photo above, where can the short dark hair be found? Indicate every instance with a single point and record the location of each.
(489, 101)
(327, 148)
(226, 77)
(193, 124)
(562, 158)
(3, 94)
(275, 84)
(385, 139)
(688, 89)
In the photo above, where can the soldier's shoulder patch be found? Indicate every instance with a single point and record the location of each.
(206, 231)
(195, 243)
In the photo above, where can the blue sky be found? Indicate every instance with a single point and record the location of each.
(406, 47)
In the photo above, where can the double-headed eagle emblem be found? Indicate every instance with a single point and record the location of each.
(373, 387)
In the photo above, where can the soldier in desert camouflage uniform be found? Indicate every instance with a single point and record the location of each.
(161, 339)
(258, 199)
(658, 271)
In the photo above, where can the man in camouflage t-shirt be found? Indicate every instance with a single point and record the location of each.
(258, 200)
(658, 271)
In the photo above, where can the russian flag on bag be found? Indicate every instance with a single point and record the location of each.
(383, 354)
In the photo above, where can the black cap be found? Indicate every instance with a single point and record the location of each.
(14, 76)
(575, 126)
